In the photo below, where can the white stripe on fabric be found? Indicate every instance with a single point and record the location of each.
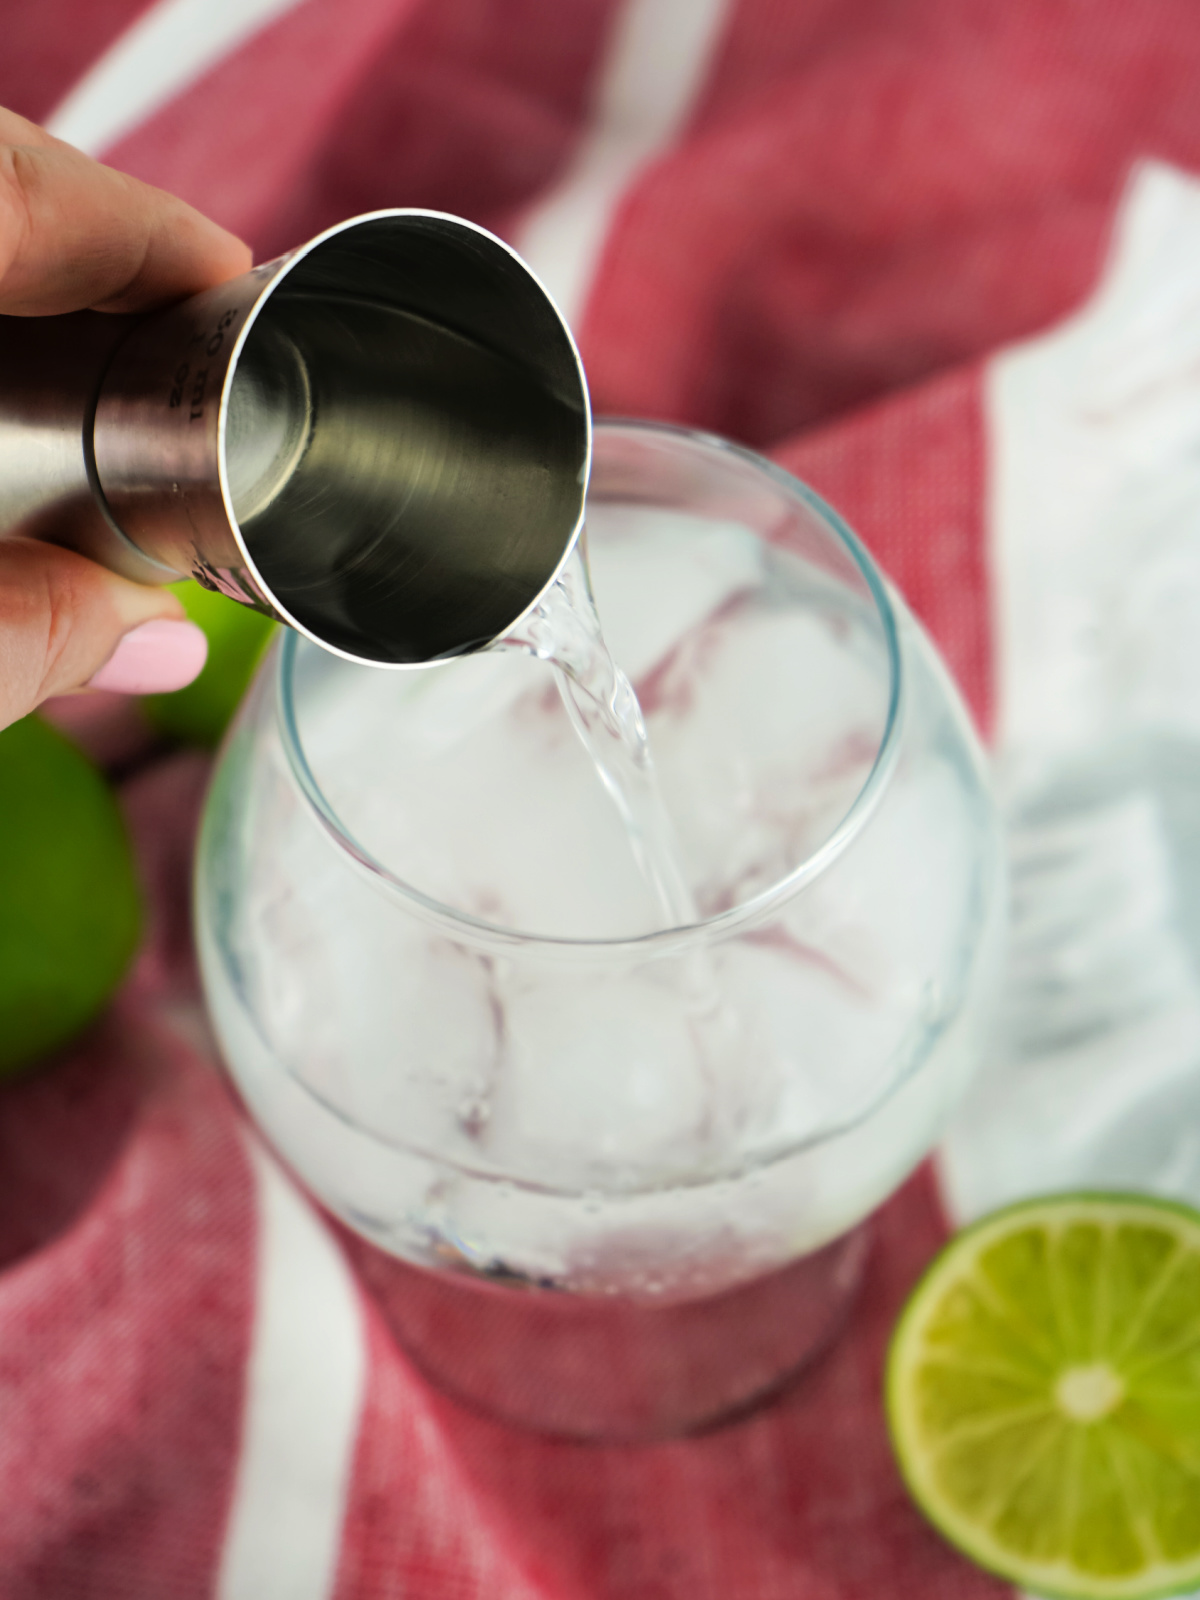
(304, 1390)
(1094, 436)
(1094, 525)
(656, 62)
(168, 48)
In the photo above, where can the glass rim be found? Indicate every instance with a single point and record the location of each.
(744, 916)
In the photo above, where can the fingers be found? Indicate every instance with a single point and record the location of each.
(65, 622)
(75, 234)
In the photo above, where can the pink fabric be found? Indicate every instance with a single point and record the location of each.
(48, 46)
(124, 1324)
(867, 199)
(908, 475)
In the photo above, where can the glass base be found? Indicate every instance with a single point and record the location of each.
(590, 1368)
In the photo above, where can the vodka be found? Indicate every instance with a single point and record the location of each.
(564, 629)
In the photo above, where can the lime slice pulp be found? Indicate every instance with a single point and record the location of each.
(1043, 1395)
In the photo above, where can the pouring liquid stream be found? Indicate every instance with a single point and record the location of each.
(564, 630)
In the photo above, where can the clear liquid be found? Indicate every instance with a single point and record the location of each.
(532, 1116)
(565, 631)
(546, 1112)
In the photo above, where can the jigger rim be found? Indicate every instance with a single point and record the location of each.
(282, 270)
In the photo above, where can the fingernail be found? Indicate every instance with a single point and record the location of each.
(154, 659)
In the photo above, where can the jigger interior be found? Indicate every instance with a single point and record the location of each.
(405, 439)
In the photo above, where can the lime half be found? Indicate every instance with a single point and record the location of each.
(1043, 1395)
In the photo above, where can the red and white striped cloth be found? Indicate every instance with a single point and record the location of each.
(817, 226)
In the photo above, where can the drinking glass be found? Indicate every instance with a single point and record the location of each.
(606, 1176)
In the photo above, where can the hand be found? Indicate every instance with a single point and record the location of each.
(75, 234)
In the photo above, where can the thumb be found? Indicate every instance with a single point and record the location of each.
(66, 623)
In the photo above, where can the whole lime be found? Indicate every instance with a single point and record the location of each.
(70, 912)
(237, 638)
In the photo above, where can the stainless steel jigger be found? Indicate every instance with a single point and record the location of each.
(382, 439)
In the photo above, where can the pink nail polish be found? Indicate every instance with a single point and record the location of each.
(154, 659)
